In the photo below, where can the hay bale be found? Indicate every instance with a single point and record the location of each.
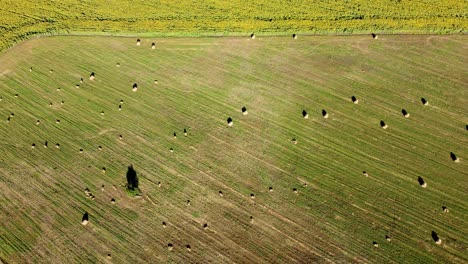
(118, 64)
(120, 137)
(230, 122)
(388, 238)
(171, 150)
(57, 145)
(405, 113)
(81, 80)
(120, 107)
(294, 36)
(57, 121)
(305, 115)
(91, 76)
(62, 102)
(175, 135)
(12, 114)
(153, 45)
(31, 69)
(221, 193)
(422, 182)
(159, 184)
(205, 226)
(51, 71)
(85, 219)
(324, 113)
(365, 174)
(58, 89)
(252, 196)
(270, 189)
(189, 248)
(454, 157)
(112, 201)
(185, 132)
(251, 219)
(135, 87)
(38, 122)
(294, 141)
(383, 125)
(100, 147)
(138, 43)
(354, 99)
(121, 101)
(102, 112)
(436, 238)
(164, 224)
(374, 36)
(445, 209)
(244, 111)
(33, 145)
(252, 36)
(295, 190)
(155, 81)
(16, 95)
(81, 150)
(45, 144)
(103, 169)
(375, 244)
(188, 202)
(8, 120)
(102, 187)
(1, 98)
(424, 101)
(169, 247)
(109, 256)
(77, 86)
(51, 104)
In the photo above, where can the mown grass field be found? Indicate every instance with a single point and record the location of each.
(337, 212)
(20, 20)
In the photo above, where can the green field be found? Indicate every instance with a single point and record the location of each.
(337, 212)
(20, 20)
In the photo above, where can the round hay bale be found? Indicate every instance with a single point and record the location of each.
(383, 125)
(294, 141)
(324, 113)
(354, 99)
(270, 189)
(375, 244)
(33, 145)
(102, 187)
(85, 219)
(159, 184)
(12, 114)
(51, 71)
(99, 147)
(8, 120)
(138, 43)
(445, 209)
(189, 248)
(58, 89)
(45, 144)
(388, 238)
(365, 174)
(424, 101)
(252, 36)
(62, 102)
(77, 86)
(112, 201)
(188, 202)
(155, 81)
(164, 224)
(244, 111)
(436, 238)
(230, 121)
(38, 122)
(205, 226)
(295, 190)
(121, 101)
(109, 256)
(102, 112)
(171, 150)
(153, 45)
(251, 219)
(422, 182)
(135, 87)
(454, 157)
(118, 64)
(81, 80)
(120, 137)
(31, 69)
(175, 135)
(169, 247)
(405, 113)
(294, 36)
(57, 121)
(1, 98)
(57, 145)
(51, 104)
(103, 169)
(374, 36)
(91, 76)
(305, 115)
(16, 95)
(252, 196)
(120, 107)
(81, 150)
(185, 132)
(221, 193)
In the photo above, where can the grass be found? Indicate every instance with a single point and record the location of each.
(202, 81)
(22, 20)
